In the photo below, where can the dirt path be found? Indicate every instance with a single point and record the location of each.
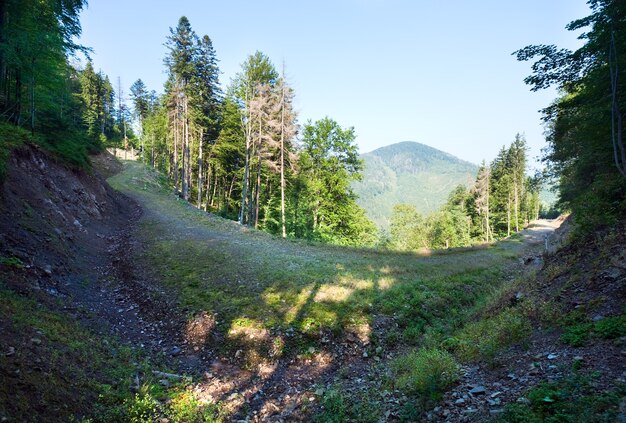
(243, 264)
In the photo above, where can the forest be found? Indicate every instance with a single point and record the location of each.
(238, 152)
(230, 275)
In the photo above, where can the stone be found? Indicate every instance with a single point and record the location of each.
(478, 390)
(175, 350)
(35, 341)
(460, 401)
(10, 352)
(552, 356)
(523, 400)
(496, 411)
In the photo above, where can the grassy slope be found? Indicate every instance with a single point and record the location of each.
(252, 280)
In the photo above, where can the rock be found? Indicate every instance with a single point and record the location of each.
(552, 356)
(446, 412)
(496, 411)
(10, 352)
(597, 318)
(35, 341)
(175, 351)
(47, 269)
(460, 401)
(578, 358)
(365, 355)
(478, 390)
(134, 387)
(523, 400)
(495, 394)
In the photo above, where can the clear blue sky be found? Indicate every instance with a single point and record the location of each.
(436, 72)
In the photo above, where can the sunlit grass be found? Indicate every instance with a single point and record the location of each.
(252, 279)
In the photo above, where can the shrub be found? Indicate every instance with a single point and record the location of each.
(611, 327)
(426, 372)
(577, 335)
(484, 338)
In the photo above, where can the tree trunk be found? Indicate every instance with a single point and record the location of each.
(257, 194)
(200, 168)
(516, 207)
(176, 125)
(152, 161)
(282, 159)
(248, 130)
(508, 216)
(185, 151)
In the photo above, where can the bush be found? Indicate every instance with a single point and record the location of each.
(612, 327)
(577, 335)
(426, 372)
(483, 339)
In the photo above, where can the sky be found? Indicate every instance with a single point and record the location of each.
(439, 72)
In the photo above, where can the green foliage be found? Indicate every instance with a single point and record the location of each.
(572, 399)
(11, 262)
(577, 335)
(10, 138)
(585, 134)
(611, 327)
(335, 407)
(425, 372)
(408, 173)
(577, 330)
(329, 162)
(483, 339)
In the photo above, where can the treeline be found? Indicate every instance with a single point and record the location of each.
(586, 149)
(501, 201)
(234, 151)
(70, 112)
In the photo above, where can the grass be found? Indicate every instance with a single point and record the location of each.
(253, 280)
(573, 399)
(577, 330)
(483, 339)
(53, 358)
(426, 372)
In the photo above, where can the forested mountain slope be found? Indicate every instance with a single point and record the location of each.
(409, 173)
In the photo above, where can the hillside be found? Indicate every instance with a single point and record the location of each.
(137, 288)
(409, 173)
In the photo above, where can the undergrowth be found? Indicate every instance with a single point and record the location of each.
(573, 399)
(51, 358)
(71, 148)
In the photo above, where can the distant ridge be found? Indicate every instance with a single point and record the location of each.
(409, 172)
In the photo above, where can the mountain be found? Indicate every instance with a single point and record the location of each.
(409, 173)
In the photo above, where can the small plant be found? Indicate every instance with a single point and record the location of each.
(426, 371)
(485, 338)
(142, 408)
(611, 327)
(577, 335)
(11, 262)
(334, 407)
(573, 399)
